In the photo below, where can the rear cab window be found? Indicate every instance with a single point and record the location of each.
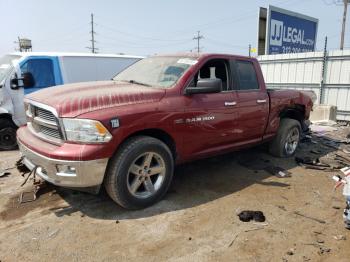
(245, 74)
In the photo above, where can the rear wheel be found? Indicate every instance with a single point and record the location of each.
(8, 139)
(140, 173)
(287, 139)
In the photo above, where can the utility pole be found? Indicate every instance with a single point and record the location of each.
(250, 48)
(198, 38)
(344, 22)
(19, 44)
(324, 63)
(93, 41)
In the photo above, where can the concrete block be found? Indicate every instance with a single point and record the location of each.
(323, 113)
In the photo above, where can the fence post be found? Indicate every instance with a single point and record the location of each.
(323, 72)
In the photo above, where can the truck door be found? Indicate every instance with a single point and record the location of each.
(252, 101)
(209, 119)
(45, 71)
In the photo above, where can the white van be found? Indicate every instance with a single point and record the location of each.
(24, 73)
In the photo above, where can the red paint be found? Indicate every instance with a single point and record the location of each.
(139, 108)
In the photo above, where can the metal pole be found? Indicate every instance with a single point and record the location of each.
(250, 47)
(198, 37)
(19, 44)
(198, 41)
(323, 71)
(92, 34)
(344, 23)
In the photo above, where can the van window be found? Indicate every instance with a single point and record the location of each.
(42, 71)
(246, 75)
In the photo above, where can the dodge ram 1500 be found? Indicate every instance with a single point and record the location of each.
(128, 133)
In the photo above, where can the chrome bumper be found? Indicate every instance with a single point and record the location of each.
(81, 174)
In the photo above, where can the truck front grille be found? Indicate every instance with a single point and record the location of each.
(44, 123)
(44, 114)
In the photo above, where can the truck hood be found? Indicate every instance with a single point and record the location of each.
(75, 99)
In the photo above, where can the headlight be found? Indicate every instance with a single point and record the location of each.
(85, 130)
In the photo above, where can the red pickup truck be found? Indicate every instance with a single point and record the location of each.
(128, 133)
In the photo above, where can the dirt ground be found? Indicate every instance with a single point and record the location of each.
(197, 220)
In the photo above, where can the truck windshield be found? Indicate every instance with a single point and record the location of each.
(159, 71)
(6, 65)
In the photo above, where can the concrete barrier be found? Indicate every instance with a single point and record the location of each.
(322, 113)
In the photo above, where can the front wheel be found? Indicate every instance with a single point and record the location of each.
(140, 173)
(8, 130)
(287, 139)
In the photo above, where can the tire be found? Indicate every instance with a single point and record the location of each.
(8, 130)
(128, 184)
(290, 130)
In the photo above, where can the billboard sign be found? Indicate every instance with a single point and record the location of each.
(289, 32)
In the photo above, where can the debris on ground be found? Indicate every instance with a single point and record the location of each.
(278, 171)
(324, 250)
(339, 237)
(309, 217)
(291, 252)
(31, 195)
(247, 215)
(310, 163)
(21, 167)
(322, 129)
(54, 233)
(4, 173)
(233, 240)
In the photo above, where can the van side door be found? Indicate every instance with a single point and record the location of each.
(45, 70)
(252, 101)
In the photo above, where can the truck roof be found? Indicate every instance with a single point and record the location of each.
(73, 54)
(204, 55)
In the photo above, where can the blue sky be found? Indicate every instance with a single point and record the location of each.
(154, 26)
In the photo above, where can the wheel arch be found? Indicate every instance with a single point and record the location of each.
(296, 112)
(6, 116)
(157, 133)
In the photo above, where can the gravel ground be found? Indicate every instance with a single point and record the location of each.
(197, 220)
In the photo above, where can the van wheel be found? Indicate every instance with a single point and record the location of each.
(140, 172)
(287, 139)
(8, 139)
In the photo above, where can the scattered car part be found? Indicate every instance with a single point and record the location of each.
(247, 215)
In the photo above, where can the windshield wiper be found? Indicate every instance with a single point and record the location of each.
(138, 83)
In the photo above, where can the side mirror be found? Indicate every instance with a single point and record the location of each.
(26, 81)
(205, 85)
(14, 83)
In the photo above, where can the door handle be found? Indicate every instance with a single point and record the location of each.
(261, 101)
(233, 103)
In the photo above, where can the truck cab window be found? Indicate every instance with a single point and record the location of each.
(214, 69)
(247, 75)
(42, 71)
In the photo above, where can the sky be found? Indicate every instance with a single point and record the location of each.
(139, 27)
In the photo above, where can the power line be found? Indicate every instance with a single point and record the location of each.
(138, 36)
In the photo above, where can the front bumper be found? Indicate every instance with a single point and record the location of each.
(85, 173)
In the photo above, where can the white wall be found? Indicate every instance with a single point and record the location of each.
(303, 71)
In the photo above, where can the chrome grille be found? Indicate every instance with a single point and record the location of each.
(44, 123)
(50, 132)
(44, 114)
